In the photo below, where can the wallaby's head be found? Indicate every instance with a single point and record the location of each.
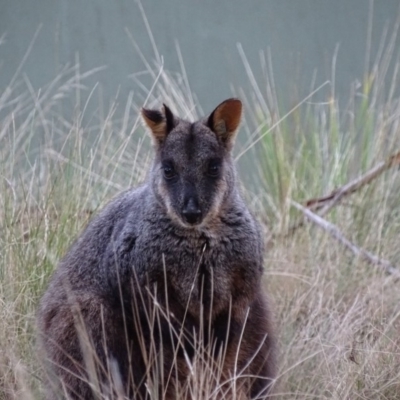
(193, 173)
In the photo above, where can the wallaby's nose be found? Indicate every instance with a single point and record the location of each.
(192, 212)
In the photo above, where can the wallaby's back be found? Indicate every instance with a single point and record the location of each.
(167, 277)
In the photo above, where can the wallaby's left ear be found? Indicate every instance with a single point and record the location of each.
(225, 119)
(160, 123)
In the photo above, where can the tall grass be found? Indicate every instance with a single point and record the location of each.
(338, 318)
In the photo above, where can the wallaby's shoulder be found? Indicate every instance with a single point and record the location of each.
(118, 209)
(122, 216)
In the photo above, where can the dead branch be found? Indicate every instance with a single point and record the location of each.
(334, 231)
(356, 184)
(326, 203)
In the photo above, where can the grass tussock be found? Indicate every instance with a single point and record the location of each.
(338, 317)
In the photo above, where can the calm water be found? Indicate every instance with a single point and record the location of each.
(301, 36)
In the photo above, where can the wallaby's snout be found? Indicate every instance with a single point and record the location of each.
(191, 212)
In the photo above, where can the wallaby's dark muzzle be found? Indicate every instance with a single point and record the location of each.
(191, 212)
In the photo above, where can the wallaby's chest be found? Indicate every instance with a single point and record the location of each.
(198, 272)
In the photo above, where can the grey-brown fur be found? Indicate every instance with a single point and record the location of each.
(187, 243)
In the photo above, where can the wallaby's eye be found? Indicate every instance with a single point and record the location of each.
(169, 171)
(213, 168)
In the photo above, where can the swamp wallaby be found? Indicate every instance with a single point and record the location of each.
(161, 296)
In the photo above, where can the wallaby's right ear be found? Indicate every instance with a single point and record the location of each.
(160, 123)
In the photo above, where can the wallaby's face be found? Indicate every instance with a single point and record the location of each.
(193, 172)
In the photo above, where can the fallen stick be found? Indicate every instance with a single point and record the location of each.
(351, 187)
(334, 231)
(325, 203)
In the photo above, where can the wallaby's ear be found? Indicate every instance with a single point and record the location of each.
(160, 123)
(225, 119)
